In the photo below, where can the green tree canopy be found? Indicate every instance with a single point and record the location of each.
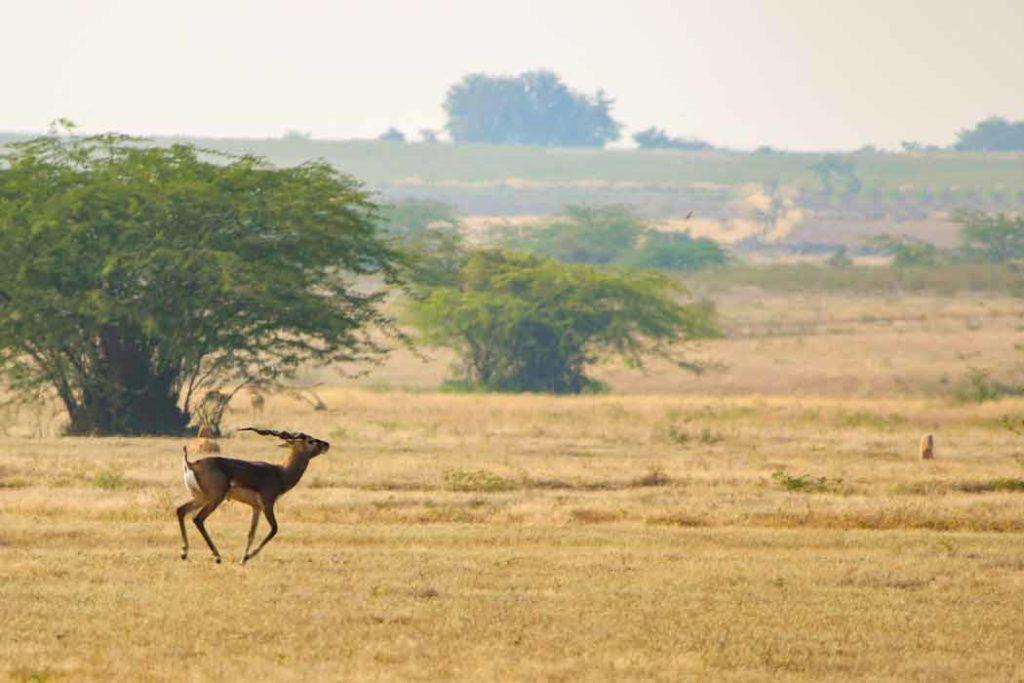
(906, 251)
(524, 323)
(533, 108)
(613, 234)
(663, 250)
(583, 234)
(994, 134)
(137, 277)
(992, 237)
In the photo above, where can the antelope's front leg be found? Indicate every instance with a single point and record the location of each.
(252, 532)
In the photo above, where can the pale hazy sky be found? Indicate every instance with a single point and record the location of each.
(796, 74)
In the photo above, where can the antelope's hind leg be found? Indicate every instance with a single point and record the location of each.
(183, 511)
(199, 520)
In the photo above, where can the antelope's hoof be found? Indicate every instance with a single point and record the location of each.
(184, 556)
(217, 560)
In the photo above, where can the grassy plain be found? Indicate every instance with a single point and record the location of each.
(511, 167)
(411, 164)
(769, 519)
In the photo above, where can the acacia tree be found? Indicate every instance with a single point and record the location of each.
(525, 323)
(836, 172)
(138, 277)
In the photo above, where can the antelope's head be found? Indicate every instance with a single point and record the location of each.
(299, 443)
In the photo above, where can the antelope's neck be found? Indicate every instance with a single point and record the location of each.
(294, 467)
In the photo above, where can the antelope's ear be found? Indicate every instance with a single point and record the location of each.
(286, 444)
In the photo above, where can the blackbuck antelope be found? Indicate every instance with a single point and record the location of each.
(257, 484)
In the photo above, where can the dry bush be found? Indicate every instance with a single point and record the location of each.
(655, 476)
(476, 480)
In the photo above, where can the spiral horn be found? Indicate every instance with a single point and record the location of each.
(271, 432)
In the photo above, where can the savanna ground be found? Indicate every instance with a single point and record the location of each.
(768, 519)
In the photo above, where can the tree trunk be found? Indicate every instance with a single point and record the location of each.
(126, 392)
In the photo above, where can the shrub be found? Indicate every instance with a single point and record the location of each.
(476, 480)
(977, 386)
(582, 234)
(678, 436)
(708, 437)
(110, 479)
(613, 234)
(839, 259)
(993, 238)
(675, 251)
(1005, 484)
(657, 138)
(907, 251)
(655, 476)
(805, 483)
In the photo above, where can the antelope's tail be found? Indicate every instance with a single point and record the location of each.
(189, 475)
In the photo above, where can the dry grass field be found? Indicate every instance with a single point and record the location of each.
(769, 519)
(806, 344)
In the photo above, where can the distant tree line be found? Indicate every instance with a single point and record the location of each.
(657, 138)
(538, 108)
(429, 232)
(985, 238)
(611, 235)
(994, 134)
